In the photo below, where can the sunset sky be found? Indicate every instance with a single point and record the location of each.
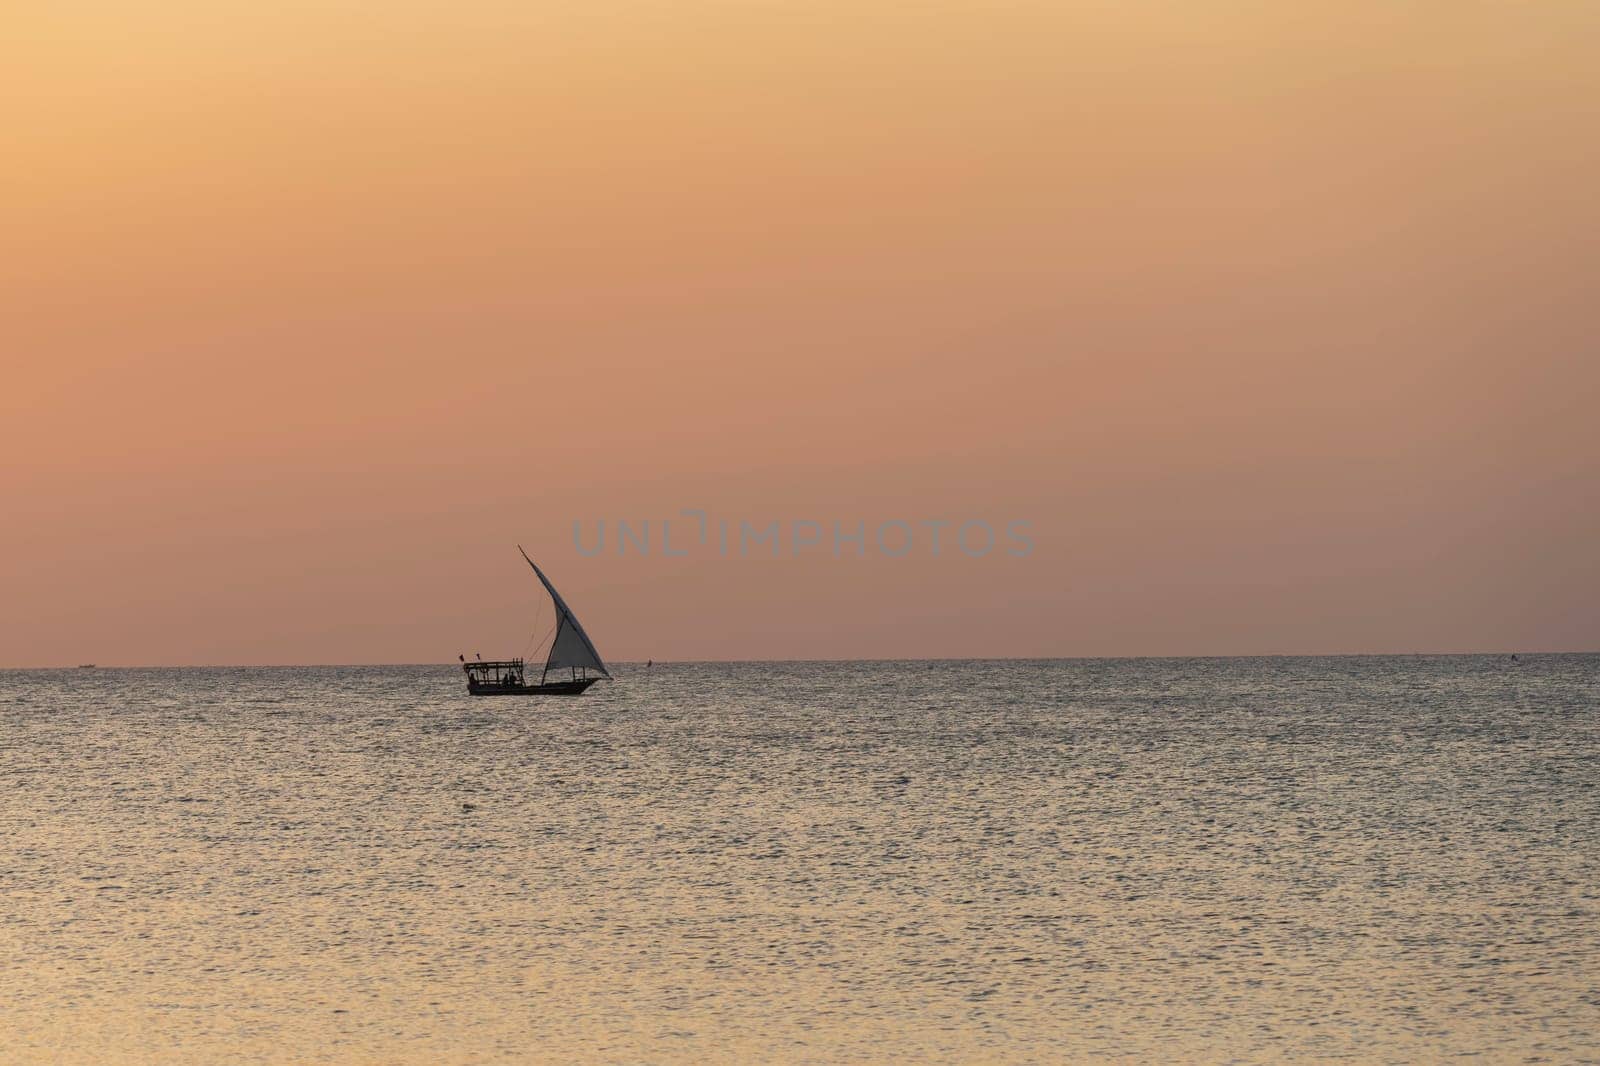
(1277, 322)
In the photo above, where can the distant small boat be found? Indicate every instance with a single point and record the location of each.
(571, 650)
(86, 666)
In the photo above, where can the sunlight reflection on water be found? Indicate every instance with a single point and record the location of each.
(1202, 859)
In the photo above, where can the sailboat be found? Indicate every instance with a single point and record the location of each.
(571, 650)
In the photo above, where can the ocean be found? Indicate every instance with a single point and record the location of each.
(1248, 860)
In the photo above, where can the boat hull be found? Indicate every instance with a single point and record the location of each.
(549, 688)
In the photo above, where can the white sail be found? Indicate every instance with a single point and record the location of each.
(572, 647)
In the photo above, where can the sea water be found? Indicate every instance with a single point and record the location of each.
(1199, 859)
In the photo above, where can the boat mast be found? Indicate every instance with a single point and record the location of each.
(560, 617)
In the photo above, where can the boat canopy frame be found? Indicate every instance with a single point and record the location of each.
(496, 671)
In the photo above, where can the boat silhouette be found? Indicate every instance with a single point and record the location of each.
(571, 650)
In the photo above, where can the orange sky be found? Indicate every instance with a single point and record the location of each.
(1275, 321)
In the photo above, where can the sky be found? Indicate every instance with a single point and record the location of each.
(1273, 324)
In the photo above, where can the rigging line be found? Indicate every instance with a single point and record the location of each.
(526, 648)
(532, 646)
(540, 644)
(546, 636)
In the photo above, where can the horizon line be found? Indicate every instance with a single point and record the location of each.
(878, 659)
